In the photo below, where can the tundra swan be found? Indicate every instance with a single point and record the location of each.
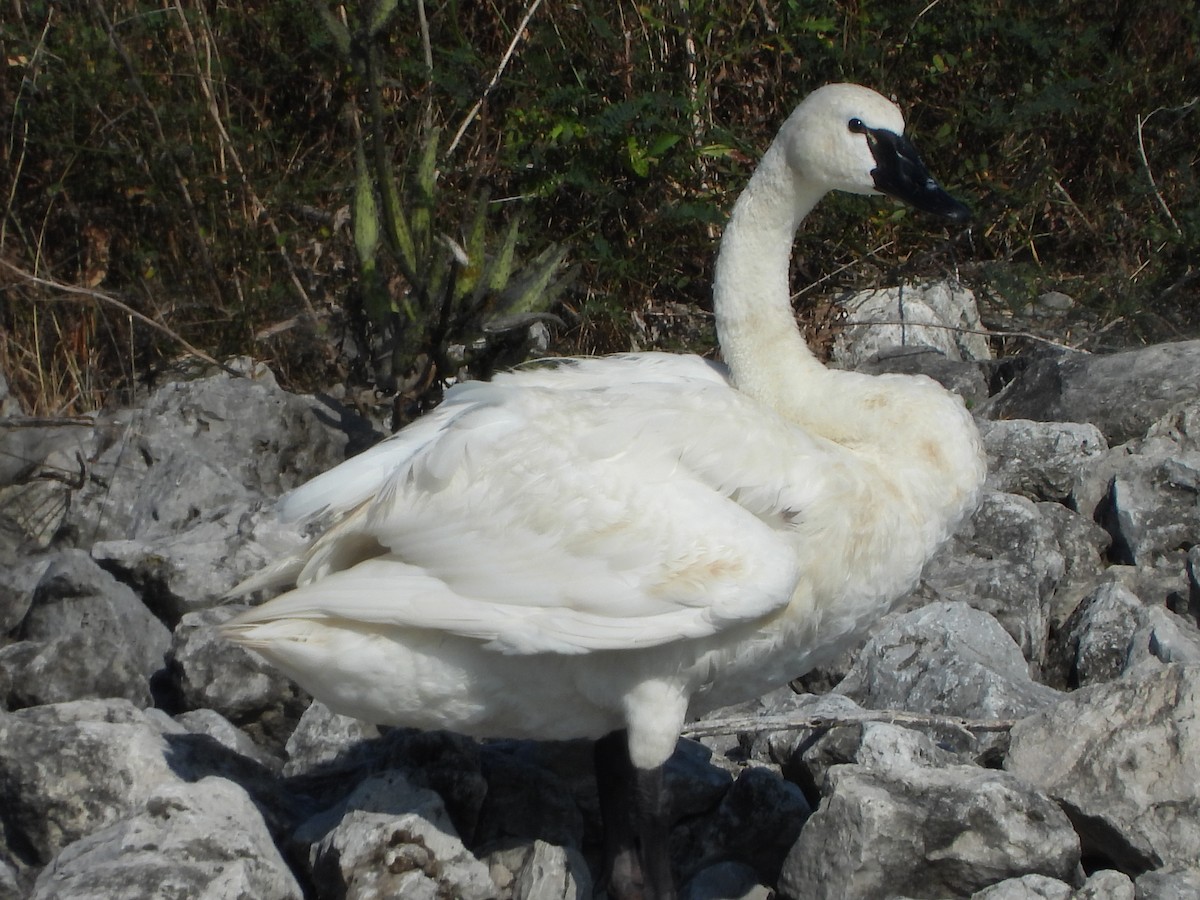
(607, 547)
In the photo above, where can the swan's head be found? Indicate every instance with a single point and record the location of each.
(849, 138)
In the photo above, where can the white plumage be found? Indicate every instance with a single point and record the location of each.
(624, 542)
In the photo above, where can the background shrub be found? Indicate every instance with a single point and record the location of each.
(195, 163)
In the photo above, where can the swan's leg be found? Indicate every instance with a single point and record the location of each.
(621, 876)
(653, 817)
(635, 814)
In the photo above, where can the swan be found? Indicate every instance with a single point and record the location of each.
(604, 548)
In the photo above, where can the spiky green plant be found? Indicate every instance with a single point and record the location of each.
(463, 300)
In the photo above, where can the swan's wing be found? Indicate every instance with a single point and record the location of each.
(345, 487)
(572, 520)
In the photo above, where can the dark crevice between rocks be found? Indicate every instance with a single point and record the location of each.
(1104, 847)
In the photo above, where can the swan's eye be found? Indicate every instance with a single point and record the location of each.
(857, 126)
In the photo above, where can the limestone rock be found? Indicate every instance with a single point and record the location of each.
(86, 635)
(942, 316)
(1005, 561)
(1123, 759)
(391, 839)
(204, 840)
(945, 658)
(1039, 460)
(1122, 394)
(928, 833)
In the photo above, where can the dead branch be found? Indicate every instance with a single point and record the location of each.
(761, 724)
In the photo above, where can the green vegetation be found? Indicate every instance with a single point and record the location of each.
(217, 170)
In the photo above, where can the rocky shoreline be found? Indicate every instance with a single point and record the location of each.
(1043, 682)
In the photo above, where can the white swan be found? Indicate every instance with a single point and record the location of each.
(619, 544)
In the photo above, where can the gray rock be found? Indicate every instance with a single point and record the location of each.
(766, 734)
(322, 737)
(67, 770)
(1122, 394)
(188, 482)
(1005, 561)
(1143, 492)
(1027, 887)
(1164, 637)
(210, 673)
(1180, 424)
(453, 766)
(86, 635)
(204, 840)
(928, 833)
(41, 463)
(1107, 884)
(526, 802)
(390, 838)
(946, 658)
(879, 746)
(941, 316)
(29, 447)
(1050, 305)
(696, 780)
(1084, 547)
(10, 882)
(214, 725)
(540, 871)
(1169, 884)
(180, 572)
(197, 450)
(1123, 759)
(73, 667)
(1162, 584)
(1083, 544)
(76, 595)
(890, 748)
(10, 405)
(19, 574)
(34, 513)
(1151, 508)
(1038, 460)
(963, 378)
(1098, 636)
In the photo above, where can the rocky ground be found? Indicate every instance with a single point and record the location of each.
(1026, 725)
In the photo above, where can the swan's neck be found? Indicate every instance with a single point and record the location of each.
(760, 342)
(920, 438)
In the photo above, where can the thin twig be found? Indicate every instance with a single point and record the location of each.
(912, 25)
(258, 208)
(181, 182)
(760, 724)
(27, 84)
(986, 332)
(1141, 121)
(692, 86)
(495, 79)
(838, 271)
(1075, 206)
(927, 8)
(123, 307)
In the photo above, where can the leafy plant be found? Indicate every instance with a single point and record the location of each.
(462, 307)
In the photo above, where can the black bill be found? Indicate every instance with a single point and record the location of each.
(900, 173)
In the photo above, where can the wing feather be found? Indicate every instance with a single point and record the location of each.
(627, 504)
